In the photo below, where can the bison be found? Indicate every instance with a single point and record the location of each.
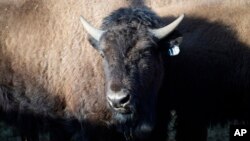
(48, 82)
(133, 47)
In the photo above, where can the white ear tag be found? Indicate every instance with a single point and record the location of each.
(174, 50)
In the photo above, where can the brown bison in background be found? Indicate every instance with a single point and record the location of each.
(51, 78)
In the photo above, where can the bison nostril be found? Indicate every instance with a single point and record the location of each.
(117, 101)
(125, 99)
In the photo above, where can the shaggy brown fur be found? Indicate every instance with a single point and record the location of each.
(43, 50)
(46, 62)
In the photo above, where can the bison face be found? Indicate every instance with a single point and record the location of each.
(134, 70)
(133, 66)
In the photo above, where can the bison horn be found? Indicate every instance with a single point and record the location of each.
(166, 30)
(95, 33)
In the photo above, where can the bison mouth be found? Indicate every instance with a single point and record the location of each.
(124, 111)
(133, 125)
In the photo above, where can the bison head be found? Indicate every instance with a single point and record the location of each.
(133, 66)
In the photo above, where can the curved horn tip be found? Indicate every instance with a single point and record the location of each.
(166, 30)
(182, 15)
(180, 18)
(83, 20)
(95, 33)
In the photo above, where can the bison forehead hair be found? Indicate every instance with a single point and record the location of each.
(134, 17)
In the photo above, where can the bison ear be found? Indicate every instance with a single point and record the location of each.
(174, 46)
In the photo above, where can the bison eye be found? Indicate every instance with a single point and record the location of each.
(145, 54)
